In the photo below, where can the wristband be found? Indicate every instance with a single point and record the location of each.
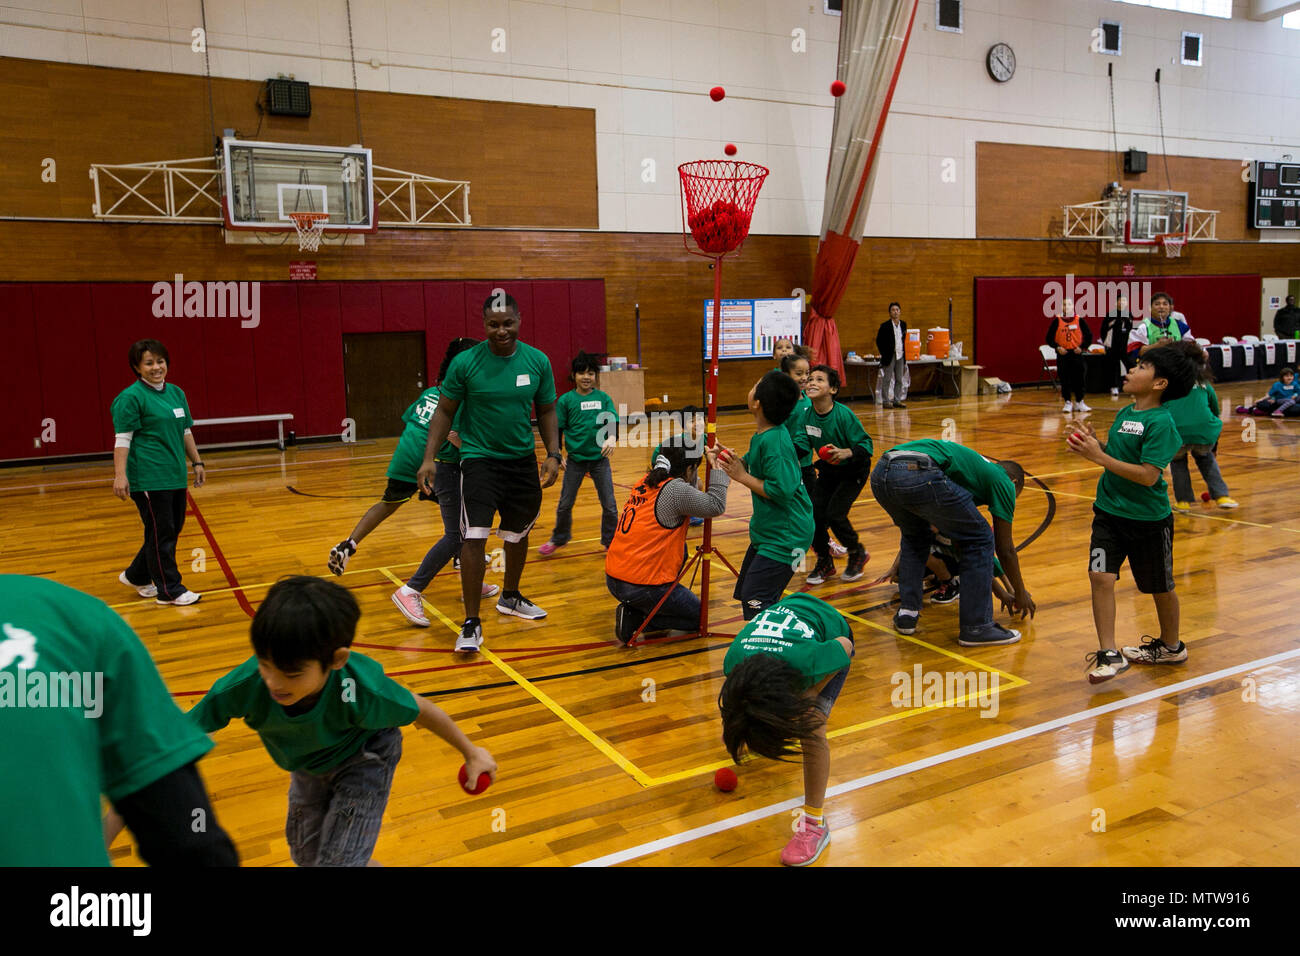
(198, 464)
(556, 455)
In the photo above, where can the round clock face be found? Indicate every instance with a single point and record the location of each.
(1001, 62)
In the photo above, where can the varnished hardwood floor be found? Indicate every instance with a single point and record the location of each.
(603, 752)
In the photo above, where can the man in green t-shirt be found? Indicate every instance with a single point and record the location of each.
(329, 716)
(1131, 516)
(781, 528)
(83, 712)
(493, 387)
(783, 673)
(939, 484)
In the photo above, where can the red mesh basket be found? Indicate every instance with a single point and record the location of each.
(718, 198)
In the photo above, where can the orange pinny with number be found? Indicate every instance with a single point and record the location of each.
(1068, 334)
(643, 550)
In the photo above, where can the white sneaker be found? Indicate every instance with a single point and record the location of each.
(1114, 391)
(148, 590)
(1068, 408)
(187, 597)
(520, 607)
(837, 549)
(1081, 407)
(470, 639)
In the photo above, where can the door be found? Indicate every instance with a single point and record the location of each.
(384, 372)
(1273, 293)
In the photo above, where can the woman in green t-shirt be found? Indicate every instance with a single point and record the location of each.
(152, 440)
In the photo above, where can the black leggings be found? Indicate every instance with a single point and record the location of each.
(1073, 372)
(163, 514)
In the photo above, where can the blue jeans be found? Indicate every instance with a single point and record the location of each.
(916, 494)
(603, 478)
(1209, 467)
(446, 486)
(681, 612)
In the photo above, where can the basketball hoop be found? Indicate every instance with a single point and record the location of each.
(310, 227)
(1173, 243)
(718, 198)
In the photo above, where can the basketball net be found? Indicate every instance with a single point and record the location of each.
(1173, 244)
(310, 227)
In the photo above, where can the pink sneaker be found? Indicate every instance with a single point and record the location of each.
(548, 549)
(411, 607)
(806, 845)
(490, 590)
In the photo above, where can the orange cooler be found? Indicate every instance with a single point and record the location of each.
(912, 347)
(938, 343)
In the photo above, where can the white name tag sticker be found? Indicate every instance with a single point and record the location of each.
(178, 412)
(521, 380)
(813, 430)
(591, 406)
(1132, 428)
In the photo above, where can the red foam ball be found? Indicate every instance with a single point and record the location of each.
(838, 88)
(826, 452)
(717, 93)
(1205, 496)
(730, 149)
(725, 779)
(483, 781)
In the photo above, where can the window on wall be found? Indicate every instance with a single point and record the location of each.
(1111, 37)
(1291, 21)
(947, 15)
(1191, 49)
(1208, 8)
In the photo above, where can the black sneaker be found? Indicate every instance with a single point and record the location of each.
(339, 555)
(990, 636)
(626, 620)
(825, 569)
(858, 558)
(906, 623)
(947, 592)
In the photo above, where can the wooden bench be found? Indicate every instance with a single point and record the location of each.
(244, 419)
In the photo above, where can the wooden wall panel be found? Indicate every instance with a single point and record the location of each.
(78, 115)
(1019, 190)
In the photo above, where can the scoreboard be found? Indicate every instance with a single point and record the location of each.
(1275, 196)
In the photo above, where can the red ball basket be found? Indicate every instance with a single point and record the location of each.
(718, 198)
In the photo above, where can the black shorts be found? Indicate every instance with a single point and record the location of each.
(403, 490)
(1148, 546)
(506, 487)
(761, 583)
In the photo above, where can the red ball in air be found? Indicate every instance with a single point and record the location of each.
(717, 93)
(730, 149)
(725, 779)
(838, 88)
(483, 781)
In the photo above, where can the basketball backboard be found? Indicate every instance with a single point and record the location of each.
(265, 182)
(1154, 213)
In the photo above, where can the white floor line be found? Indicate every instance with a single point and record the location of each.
(622, 856)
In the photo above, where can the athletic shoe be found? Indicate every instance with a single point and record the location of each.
(1105, 665)
(825, 569)
(1225, 502)
(548, 549)
(857, 562)
(625, 623)
(339, 555)
(1183, 507)
(899, 405)
(1277, 415)
(411, 606)
(489, 590)
(807, 844)
(471, 637)
(947, 592)
(837, 550)
(455, 563)
(1243, 410)
(696, 522)
(144, 590)
(990, 636)
(1067, 409)
(1155, 651)
(186, 597)
(905, 623)
(1081, 407)
(1114, 391)
(520, 607)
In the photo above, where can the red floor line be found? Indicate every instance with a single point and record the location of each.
(221, 558)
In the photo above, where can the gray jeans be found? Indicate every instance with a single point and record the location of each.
(1209, 468)
(894, 373)
(334, 816)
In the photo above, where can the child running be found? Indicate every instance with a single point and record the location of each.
(584, 416)
(1131, 516)
(1196, 417)
(844, 448)
(327, 715)
(781, 528)
(1283, 400)
(783, 673)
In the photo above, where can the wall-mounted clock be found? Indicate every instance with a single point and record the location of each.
(1001, 62)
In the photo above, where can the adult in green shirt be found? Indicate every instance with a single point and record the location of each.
(494, 386)
(84, 713)
(781, 527)
(940, 484)
(152, 440)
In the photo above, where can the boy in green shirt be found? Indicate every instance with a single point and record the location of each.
(327, 715)
(781, 528)
(1131, 516)
(583, 415)
(783, 673)
(1196, 416)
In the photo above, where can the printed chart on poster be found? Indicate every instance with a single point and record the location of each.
(750, 327)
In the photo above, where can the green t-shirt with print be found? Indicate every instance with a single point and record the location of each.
(838, 427)
(357, 700)
(988, 484)
(1139, 438)
(581, 419)
(496, 396)
(83, 712)
(157, 419)
(781, 527)
(794, 425)
(409, 454)
(1196, 415)
(801, 630)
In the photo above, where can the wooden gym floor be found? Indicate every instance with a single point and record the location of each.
(607, 755)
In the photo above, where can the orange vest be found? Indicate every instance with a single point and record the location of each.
(643, 550)
(1068, 336)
